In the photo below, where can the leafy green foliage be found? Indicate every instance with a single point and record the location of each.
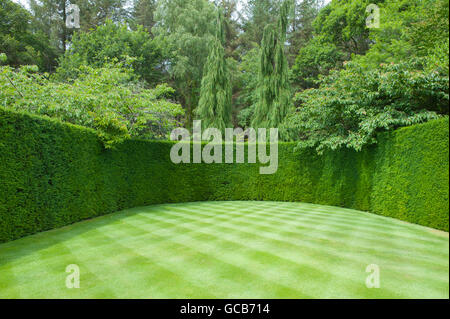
(20, 42)
(232, 27)
(257, 15)
(143, 14)
(343, 23)
(106, 99)
(186, 30)
(430, 36)
(408, 29)
(273, 82)
(317, 58)
(111, 41)
(340, 32)
(401, 79)
(301, 29)
(351, 106)
(49, 17)
(248, 84)
(214, 108)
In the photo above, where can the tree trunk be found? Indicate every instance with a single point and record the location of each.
(64, 29)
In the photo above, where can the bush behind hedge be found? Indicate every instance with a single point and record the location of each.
(53, 174)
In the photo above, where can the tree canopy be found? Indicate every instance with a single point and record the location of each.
(108, 99)
(214, 107)
(314, 69)
(20, 42)
(186, 28)
(401, 78)
(273, 84)
(113, 41)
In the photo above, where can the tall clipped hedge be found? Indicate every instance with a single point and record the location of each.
(411, 180)
(53, 174)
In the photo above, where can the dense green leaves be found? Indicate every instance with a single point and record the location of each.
(273, 83)
(352, 105)
(111, 41)
(214, 107)
(400, 77)
(363, 80)
(54, 174)
(408, 28)
(106, 99)
(257, 15)
(143, 14)
(300, 28)
(50, 17)
(317, 58)
(20, 42)
(186, 28)
(343, 23)
(248, 83)
(340, 32)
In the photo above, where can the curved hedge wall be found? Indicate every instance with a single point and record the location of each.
(53, 174)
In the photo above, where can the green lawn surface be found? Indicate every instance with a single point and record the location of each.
(230, 250)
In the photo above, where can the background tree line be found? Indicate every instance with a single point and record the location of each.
(312, 69)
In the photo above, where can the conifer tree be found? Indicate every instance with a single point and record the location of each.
(273, 89)
(214, 108)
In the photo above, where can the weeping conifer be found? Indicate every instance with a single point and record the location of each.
(274, 93)
(214, 108)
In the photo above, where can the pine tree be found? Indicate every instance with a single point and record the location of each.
(214, 108)
(142, 13)
(186, 30)
(273, 89)
(301, 29)
(256, 15)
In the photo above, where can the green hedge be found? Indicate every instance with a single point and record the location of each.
(53, 174)
(411, 179)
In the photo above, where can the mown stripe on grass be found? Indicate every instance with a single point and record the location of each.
(230, 250)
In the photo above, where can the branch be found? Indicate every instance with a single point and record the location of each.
(10, 81)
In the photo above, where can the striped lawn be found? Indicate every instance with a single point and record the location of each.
(230, 250)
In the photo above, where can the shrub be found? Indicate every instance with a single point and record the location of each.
(353, 105)
(108, 99)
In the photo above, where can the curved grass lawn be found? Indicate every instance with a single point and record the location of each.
(230, 250)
